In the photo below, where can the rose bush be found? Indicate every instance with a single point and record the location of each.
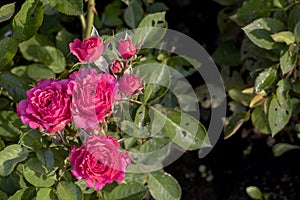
(101, 131)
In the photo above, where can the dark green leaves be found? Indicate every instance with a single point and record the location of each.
(183, 129)
(8, 50)
(68, 190)
(68, 7)
(260, 31)
(130, 191)
(10, 157)
(150, 30)
(163, 186)
(133, 14)
(9, 123)
(28, 20)
(13, 85)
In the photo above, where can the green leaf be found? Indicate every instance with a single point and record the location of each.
(43, 194)
(62, 39)
(235, 122)
(297, 32)
(68, 190)
(281, 148)
(296, 86)
(183, 129)
(253, 9)
(24, 193)
(284, 36)
(68, 7)
(152, 154)
(279, 114)
(111, 14)
(13, 85)
(130, 191)
(35, 174)
(239, 96)
(46, 157)
(133, 14)
(163, 186)
(282, 91)
(8, 50)
(36, 49)
(2, 144)
(151, 30)
(260, 120)
(265, 79)
(28, 20)
(260, 31)
(7, 11)
(294, 18)
(3, 195)
(36, 72)
(227, 54)
(158, 7)
(10, 157)
(9, 129)
(12, 183)
(287, 60)
(33, 139)
(254, 192)
(279, 3)
(157, 79)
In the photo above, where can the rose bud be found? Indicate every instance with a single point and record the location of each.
(89, 50)
(116, 67)
(129, 84)
(126, 49)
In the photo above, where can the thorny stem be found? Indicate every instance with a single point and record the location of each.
(90, 18)
(83, 24)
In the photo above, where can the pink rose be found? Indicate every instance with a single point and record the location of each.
(93, 95)
(129, 83)
(89, 50)
(47, 107)
(116, 67)
(99, 162)
(126, 49)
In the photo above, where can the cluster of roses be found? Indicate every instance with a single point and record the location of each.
(87, 97)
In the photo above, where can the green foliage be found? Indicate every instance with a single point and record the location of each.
(7, 11)
(269, 65)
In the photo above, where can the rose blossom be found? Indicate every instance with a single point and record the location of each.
(116, 67)
(89, 50)
(99, 162)
(129, 83)
(93, 95)
(47, 106)
(126, 49)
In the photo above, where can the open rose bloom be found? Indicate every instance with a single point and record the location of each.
(99, 161)
(47, 107)
(93, 96)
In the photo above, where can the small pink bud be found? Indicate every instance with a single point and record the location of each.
(129, 84)
(126, 49)
(116, 67)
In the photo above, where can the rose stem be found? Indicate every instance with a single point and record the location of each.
(90, 18)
